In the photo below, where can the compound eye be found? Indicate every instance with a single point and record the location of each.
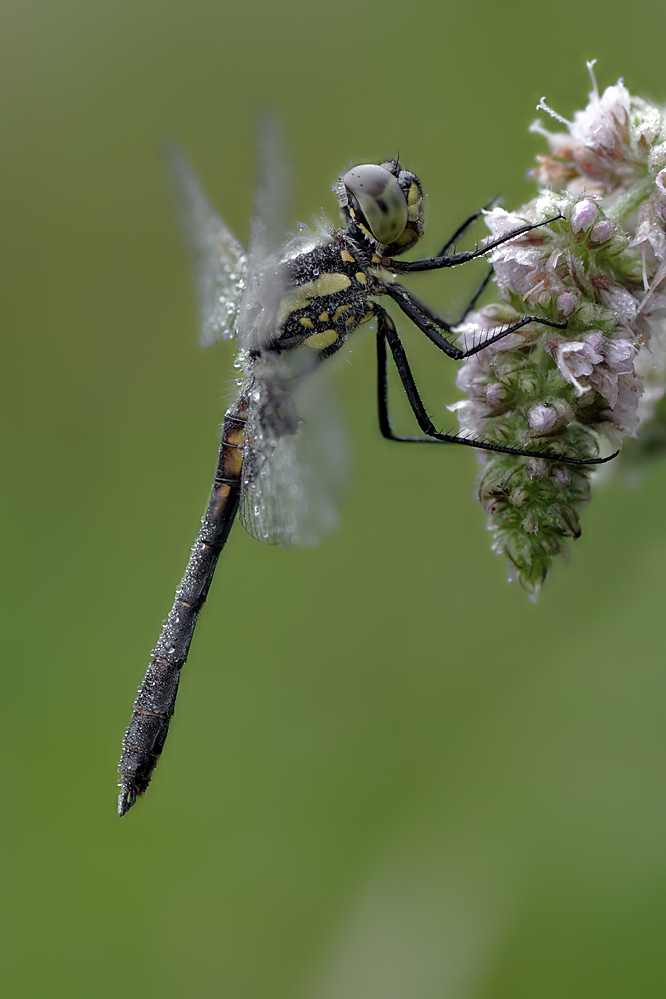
(381, 200)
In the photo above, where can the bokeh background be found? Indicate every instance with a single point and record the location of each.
(390, 776)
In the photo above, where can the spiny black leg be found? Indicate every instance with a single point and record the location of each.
(454, 259)
(425, 319)
(382, 383)
(434, 317)
(422, 307)
(413, 308)
(385, 328)
(513, 328)
(475, 297)
(465, 226)
(386, 332)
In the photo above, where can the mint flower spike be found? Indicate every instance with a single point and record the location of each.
(601, 269)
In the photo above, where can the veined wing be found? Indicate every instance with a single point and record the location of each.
(294, 458)
(267, 236)
(295, 466)
(218, 258)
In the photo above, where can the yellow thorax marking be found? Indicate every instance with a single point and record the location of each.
(338, 312)
(300, 297)
(319, 341)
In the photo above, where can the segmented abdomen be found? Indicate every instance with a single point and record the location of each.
(156, 700)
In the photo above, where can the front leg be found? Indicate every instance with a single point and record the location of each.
(386, 333)
(434, 317)
(465, 226)
(454, 259)
(423, 317)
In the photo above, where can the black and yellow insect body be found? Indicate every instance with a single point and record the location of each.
(289, 309)
(325, 297)
(328, 285)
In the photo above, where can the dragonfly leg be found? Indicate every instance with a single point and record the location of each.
(475, 297)
(455, 259)
(464, 227)
(387, 334)
(428, 321)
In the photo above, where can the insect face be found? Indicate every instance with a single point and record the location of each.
(385, 202)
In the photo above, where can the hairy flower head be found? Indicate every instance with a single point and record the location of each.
(599, 268)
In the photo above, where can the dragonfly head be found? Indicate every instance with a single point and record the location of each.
(385, 202)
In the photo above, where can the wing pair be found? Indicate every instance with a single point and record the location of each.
(289, 479)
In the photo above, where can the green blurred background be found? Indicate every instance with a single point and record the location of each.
(400, 780)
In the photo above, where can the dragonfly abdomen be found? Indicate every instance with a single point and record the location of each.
(156, 700)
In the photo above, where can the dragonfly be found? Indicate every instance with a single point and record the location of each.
(290, 305)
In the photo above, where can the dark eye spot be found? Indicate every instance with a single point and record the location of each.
(381, 204)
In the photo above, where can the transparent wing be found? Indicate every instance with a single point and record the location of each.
(294, 456)
(296, 460)
(267, 236)
(217, 256)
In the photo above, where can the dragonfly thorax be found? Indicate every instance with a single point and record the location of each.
(324, 296)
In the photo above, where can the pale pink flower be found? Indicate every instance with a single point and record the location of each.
(594, 363)
(601, 267)
(528, 265)
(623, 418)
(605, 144)
(576, 359)
(651, 228)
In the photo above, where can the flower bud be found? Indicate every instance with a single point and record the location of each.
(550, 546)
(537, 468)
(569, 523)
(567, 302)
(560, 476)
(542, 417)
(583, 215)
(602, 232)
(657, 158)
(527, 384)
(495, 393)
